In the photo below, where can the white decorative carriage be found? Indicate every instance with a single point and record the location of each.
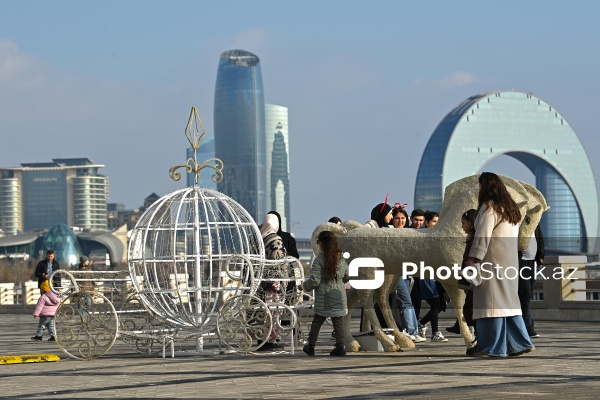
(196, 263)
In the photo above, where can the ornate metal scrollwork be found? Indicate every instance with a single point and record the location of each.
(86, 327)
(192, 133)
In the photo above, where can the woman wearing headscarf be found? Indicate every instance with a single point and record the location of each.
(274, 250)
(381, 216)
(288, 240)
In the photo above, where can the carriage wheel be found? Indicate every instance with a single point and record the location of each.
(86, 326)
(242, 320)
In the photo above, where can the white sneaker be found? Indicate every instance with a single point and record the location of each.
(408, 335)
(422, 330)
(438, 337)
(419, 339)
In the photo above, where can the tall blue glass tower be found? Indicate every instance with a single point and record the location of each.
(533, 132)
(239, 130)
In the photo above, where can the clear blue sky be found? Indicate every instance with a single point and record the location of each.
(366, 83)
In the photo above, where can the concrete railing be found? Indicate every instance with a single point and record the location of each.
(7, 293)
(10, 294)
(565, 291)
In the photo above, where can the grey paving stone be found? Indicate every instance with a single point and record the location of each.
(564, 365)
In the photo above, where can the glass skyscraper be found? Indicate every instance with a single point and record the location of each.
(65, 191)
(278, 163)
(239, 130)
(532, 131)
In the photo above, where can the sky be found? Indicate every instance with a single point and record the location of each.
(366, 83)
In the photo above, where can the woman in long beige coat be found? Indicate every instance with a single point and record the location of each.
(496, 307)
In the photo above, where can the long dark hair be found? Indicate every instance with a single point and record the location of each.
(493, 190)
(333, 254)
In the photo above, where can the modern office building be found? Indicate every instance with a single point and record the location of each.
(239, 130)
(278, 163)
(532, 131)
(67, 191)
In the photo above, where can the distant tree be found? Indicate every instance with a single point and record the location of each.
(13, 271)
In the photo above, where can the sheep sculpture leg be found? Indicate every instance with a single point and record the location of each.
(366, 299)
(381, 297)
(351, 343)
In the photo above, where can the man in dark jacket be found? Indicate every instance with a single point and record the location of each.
(45, 268)
(288, 240)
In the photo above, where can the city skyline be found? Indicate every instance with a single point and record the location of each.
(367, 85)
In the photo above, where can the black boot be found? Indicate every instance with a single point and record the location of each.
(309, 349)
(338, 351)
(471, 351)
(454, 329)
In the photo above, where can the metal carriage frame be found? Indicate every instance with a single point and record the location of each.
(99, 307)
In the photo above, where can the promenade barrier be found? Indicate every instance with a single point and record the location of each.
(575, 298)
(7, 293)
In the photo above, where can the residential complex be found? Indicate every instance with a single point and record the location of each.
(67, 191)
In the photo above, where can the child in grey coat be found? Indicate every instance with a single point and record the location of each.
(329, 273)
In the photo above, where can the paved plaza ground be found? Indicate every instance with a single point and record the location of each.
(565, 365)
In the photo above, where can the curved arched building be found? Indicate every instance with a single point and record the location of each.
(532, 131)
(239, 130)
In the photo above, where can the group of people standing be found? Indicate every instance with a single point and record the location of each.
(410, 292)
(496, 308)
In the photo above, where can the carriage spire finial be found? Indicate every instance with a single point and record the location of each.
(194, 132)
